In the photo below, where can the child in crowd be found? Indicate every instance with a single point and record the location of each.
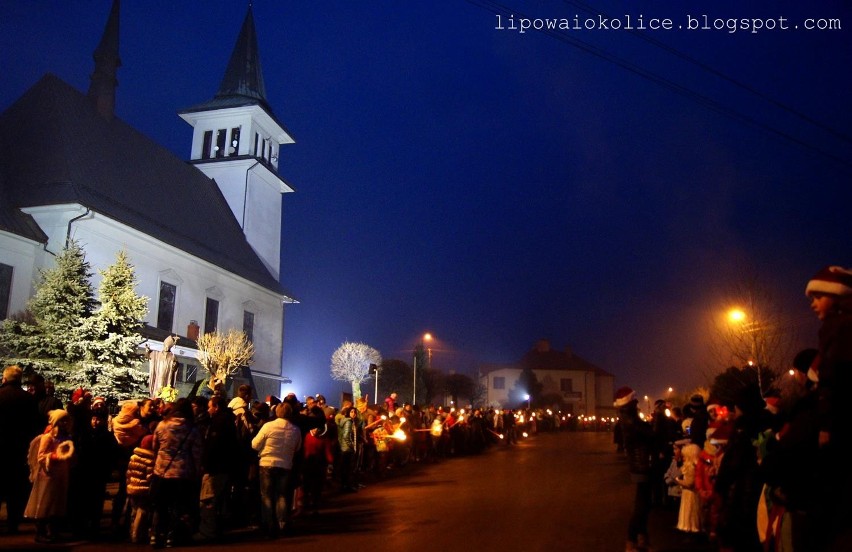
(688, 519)
(48, 459)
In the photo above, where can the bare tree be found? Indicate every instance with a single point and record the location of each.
(750, 329)
(351, 362)
(223, 354)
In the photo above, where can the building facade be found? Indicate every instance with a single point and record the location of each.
(204, 236)
(581, 387)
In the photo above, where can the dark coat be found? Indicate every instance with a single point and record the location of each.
(19, 424)
(638, 438)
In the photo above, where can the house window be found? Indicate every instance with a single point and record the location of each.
(185, 373)
(166, 306)
(500, 383)
(5, 289)
(256, 142)
(208, 143)
(221, 135)
(211, 315)
(248, 324)
(566, 385)
(235, 142)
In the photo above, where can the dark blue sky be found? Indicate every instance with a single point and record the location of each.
(495, 188)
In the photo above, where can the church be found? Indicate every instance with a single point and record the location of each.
(204, 235)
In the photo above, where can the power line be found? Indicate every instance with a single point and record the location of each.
(701, 99)
(675, 52)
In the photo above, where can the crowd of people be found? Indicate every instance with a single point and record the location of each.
(189, 469)
(757, 471)
(764, 470)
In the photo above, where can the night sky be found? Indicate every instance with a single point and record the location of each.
(599, 188)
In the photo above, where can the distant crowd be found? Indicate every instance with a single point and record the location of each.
(190, 469)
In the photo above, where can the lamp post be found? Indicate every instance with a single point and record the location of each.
(752, 330)
(426, 337)
(375, 370)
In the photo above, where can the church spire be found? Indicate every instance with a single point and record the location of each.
(103, 80)
(243, 77)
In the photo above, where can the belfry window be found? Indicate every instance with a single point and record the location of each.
(221, 136)
(234, 148)
(207, 144)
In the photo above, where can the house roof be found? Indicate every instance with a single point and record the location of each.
(56, 149)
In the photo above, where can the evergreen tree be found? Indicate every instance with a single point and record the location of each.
(63, 300)
(111, 334)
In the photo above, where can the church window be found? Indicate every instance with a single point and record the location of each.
(211, 315)
(256, 142)
(5, 289)
(207, 144)
(166, 306)
(234, 148)
(248, 324)
(221, 135)
(566, 385)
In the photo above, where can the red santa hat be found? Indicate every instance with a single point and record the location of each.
(623, 396)
(834, 280)
(721, 435)
(79, 395)
(773, 404)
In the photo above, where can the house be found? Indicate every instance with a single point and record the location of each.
(580, 386)
(204, 235)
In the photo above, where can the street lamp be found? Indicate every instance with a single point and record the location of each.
(527, 398)
(426, 337)
(375, 370)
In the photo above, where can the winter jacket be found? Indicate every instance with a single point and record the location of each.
(178, 444)
(140, 470)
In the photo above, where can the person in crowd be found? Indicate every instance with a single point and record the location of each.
(673, 473)
(219, 459)
(700, 420)
(49, 458)
(140, 472)
(688, 519)
(276, 444)
(346, 446)
(245, 474)
(390, 403)
(737, 480)
(80, 482)
(830, 292)
(318, 454)
(132, 423)
(45, 394)
(638, 437)
(19, 423)
(665, 434)
(103, 454)
(790, 466)
(178, 446)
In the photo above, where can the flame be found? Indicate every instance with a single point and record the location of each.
(399, 435)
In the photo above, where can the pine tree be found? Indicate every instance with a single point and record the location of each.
(111, 334)
(62, 302)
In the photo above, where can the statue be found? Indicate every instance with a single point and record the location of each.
(162, 366)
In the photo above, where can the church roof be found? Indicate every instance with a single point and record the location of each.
(55, 149)
(242, 84)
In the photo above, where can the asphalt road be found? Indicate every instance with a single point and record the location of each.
(552, 492)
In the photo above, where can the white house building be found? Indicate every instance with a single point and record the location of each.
(203, 235)
(580, 386)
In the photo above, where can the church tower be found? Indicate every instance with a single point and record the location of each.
(236, 142)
